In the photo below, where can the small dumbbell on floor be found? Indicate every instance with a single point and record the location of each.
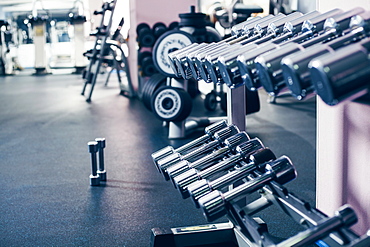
(98, 172)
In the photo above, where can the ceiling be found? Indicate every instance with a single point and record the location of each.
(25, 7)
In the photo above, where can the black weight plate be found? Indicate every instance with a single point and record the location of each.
(159, 28)
(223, 102)
(149, 88)
(252, 102)
(143, 55)
(142, 26)
(173, 25)
(170, 41)
(210, 102)
(171, 104)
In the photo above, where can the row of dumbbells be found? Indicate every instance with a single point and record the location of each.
(326, 54)
(224, 166)
(204, 168)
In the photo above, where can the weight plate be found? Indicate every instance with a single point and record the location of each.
(149, 87)
(170, 41)
(142, 26)
(223, 102)
(143, 55)
(210, 102)
(171, 104)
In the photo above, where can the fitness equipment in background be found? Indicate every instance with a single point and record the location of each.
(171, 101)
(234, 13)
(107, 50)
(241, 184)
(39, 40)
(79, 41)
(6, 63)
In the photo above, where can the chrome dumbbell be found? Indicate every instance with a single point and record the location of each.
(352, 63)
(196, 59)
(292, 34)
(268, 65)
(242, 152)
(295, 66)
(255, 161)
(208, 136)
(94, 177)
(227, 148)
(172, 57)
(219, 137)
(214, 204)
(276, 33)
(209, 65)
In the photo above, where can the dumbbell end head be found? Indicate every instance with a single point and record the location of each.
(94, 180)
(212, 205)
(101, 142)
(93, 146)
(198, 189)
(283, 169)
(168, 161)
(102, 175)
(182, 181)
(178, 169)
(347, 214)
(160, 154)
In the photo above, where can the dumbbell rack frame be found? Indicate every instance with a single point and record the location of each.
(244, 230)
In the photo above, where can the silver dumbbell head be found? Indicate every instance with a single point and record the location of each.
(168, 161)
(183, 180)
(283, 170)
(160, 154)
(213, 205)
(93, 146)
(198, 189)
(237, 139)
(226, 132)
(178, 168)
(101, 142)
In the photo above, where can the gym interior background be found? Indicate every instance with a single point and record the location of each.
(116, 54)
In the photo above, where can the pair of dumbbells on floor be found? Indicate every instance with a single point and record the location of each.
(204, 168)
(98, 172)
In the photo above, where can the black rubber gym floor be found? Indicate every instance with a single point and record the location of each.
(46, 199)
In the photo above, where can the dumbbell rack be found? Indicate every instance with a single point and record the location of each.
(321, 229)
(244, 230)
